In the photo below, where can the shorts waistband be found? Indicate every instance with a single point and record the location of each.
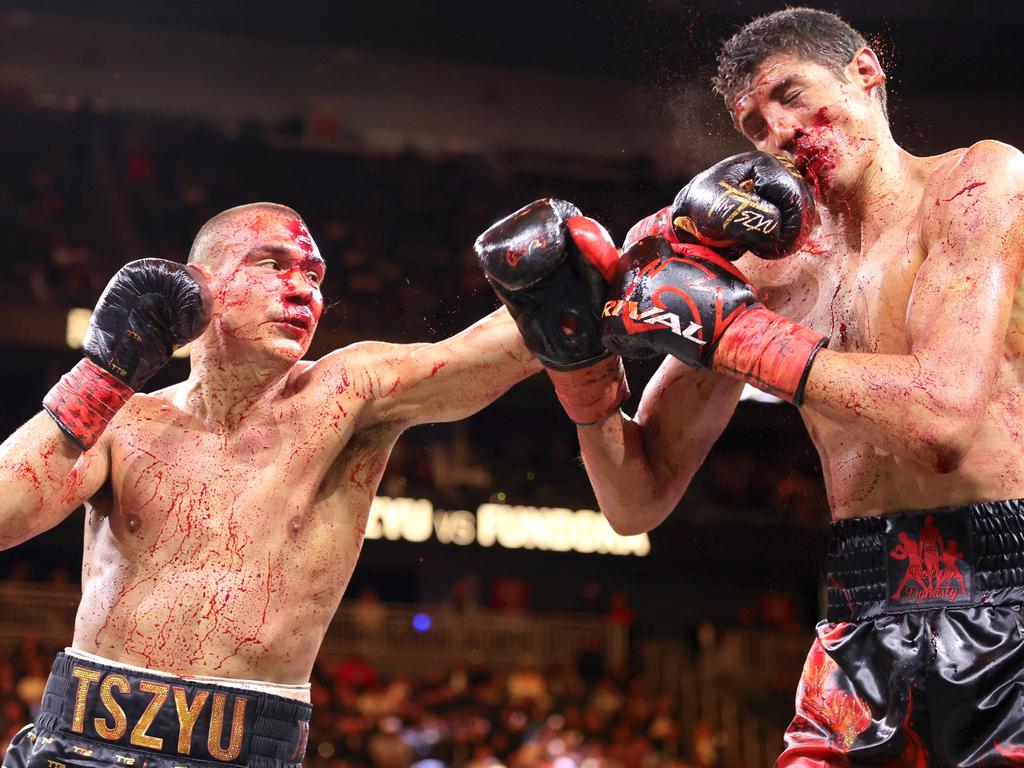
(172, 716)
(299, 692)
(926, 559)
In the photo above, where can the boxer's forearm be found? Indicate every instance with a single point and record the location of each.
(641, 467)
(899, 403)
(628, 490)
(37, 468)
(453, 378)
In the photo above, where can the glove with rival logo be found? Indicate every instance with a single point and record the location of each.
(550, 265)
(148, 309)
(689, 302)
(748, 202)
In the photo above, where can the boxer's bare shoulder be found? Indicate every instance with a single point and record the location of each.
(971, 193)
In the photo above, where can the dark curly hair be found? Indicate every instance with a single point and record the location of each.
(817, 36)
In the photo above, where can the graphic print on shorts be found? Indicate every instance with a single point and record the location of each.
(821, 700)
(929, 560)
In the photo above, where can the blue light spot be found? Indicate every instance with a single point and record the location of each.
(421, 622)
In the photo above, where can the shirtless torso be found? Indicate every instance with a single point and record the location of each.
(225, 514)
(227, 554)
(862, 297)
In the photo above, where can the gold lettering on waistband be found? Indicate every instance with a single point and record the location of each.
(187, 716)
(86, 677)
(217, 728)
(115, 731)
(124, 759)
(81, 750)
(139, 737)
(55, 764)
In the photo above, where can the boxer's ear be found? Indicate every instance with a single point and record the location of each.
(202, 269)
(865, 70)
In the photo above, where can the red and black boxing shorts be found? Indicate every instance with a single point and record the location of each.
(921, 660)
(104, 715)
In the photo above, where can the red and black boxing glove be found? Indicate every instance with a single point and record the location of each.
(550, 265)
(748, 202)
(687, 301)
(148, 309)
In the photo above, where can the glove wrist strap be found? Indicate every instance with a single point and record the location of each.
(84, 401)
(770, 352)
(659, 223)
(590, 394)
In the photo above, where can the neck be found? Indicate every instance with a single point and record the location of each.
(223, 385)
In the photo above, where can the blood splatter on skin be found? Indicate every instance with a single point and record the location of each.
(223, 536)
(301, 236)
(874, 277)
(814, 152)
(965, 190)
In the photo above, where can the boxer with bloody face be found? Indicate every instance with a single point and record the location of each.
(911, 276)
(224, 514)
(883, 296)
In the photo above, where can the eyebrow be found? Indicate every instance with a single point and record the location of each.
(283, 250)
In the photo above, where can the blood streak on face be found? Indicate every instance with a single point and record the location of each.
(301, 236)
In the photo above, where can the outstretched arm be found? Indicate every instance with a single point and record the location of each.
(927, 405)
(451, 379)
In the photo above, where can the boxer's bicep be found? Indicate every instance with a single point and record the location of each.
(45, 478)
(682, 412)
(963, 293)
(453, 378)
(957, 323)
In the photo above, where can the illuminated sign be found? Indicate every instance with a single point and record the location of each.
(553, 529)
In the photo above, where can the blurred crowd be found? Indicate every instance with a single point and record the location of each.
(472, 715)
(469, 715)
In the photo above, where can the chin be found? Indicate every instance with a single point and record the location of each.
(291, 351)
(278, 349)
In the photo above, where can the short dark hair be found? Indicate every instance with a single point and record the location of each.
(817, 36)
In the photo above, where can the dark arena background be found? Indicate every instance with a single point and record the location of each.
(493, 618)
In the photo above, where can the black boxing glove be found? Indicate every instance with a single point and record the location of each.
(748, 202)
(148, 309)
(689, 302)
(549, 265)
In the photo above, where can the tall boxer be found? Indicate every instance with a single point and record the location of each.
(225, 513)
(897, 327)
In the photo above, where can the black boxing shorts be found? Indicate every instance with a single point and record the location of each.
(920, 662)
(104, 715)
